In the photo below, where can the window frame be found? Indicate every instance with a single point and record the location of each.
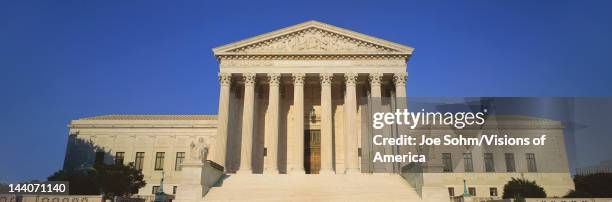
(493, 190)
(179, 161)
(154, 190)
(468, 167)
(447, 162)
(139, 160)
(510, 162)
(119, 158)
(532, 165)
(159, 160)
(489, 157)
(470, 191)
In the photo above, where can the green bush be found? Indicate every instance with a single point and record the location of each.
(519, 188)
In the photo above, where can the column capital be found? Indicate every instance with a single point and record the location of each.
(225, 79)
(326, 79)
(400, 78)
(298, 78)
(375, 78)
(350, 78)
(249, 78)
(274, 79)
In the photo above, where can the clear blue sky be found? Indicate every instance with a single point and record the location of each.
(63, 60)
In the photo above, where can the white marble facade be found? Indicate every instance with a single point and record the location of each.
(273, 87)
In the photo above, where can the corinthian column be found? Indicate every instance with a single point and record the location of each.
(271, 160)
(225, 80)
(298, 118)
(247, 124)
(326, 125)
(400, 84)
(375, 90)
(376, 106)
(351, 159)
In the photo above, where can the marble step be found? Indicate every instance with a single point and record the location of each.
(354, 187)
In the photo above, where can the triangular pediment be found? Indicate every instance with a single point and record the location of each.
(313, 38)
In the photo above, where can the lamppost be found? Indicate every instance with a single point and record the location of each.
(160, 196)
(466, 193)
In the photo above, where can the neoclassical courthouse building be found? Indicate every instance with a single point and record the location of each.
(290, 127)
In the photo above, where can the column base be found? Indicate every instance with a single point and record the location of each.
(297, 172)
(352, 171)
(242, 172)
(271, 172)
(327, 172)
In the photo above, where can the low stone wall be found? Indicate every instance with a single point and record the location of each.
(211, 175)
(488, 199)
(568, 200)
(49, 198)
(9, 198)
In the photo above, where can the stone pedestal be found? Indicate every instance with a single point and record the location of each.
(192, 188)
(433, 186)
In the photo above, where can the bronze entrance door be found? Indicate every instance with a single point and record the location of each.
(312, 153)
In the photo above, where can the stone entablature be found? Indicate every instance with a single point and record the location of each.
(313, 47)
(312, 38)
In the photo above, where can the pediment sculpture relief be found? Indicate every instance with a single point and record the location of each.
(313, 40)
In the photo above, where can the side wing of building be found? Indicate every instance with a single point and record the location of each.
(153, 143)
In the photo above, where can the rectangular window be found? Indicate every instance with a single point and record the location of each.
(138, 162)
(155, 189)
(448, 162)
(472, 191)
(451, 191)
(159, 160)
(174, 190)
(468, 165)
(489, 163)
(510, 167)
(119, 156)
(180, 156)
(531, 163)
(99, 157)
(493, 191)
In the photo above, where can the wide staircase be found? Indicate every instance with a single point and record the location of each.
(352, 187)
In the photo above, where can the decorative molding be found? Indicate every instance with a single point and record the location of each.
(249, 78)
(274, 79)
(312, 36)
(313, 40)
(266, 61)
(350, 79)
(326, 79)
(298, 78)
(400, 78)
(375, 78)
(225, 79)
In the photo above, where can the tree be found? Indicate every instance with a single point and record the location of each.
(520, 188)
(119, 180)
(4, 188)
(598, 185)
(111, 180)
(81, 182)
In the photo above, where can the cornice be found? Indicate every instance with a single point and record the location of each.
(361, 44)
